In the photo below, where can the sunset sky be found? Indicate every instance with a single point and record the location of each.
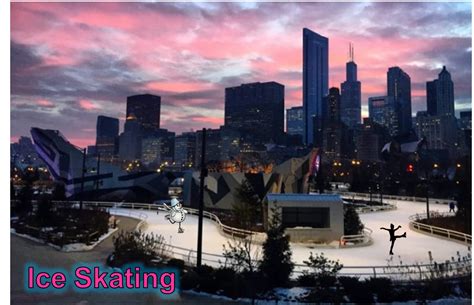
(73, 61)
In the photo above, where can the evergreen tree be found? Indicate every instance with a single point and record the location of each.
(352, 223)
(276, 265)
(247, 210)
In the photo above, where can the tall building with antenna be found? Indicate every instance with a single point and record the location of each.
(350, 93)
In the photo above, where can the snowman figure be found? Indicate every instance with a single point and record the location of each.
(176, 213)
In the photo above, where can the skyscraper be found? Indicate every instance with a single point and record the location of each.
(130, 140)
(150, 150)
(399, 86)
(107, 131)
(185, 149)
(256, 110)
(465, 121)
(440, 94)
(332, 107)
(351, 94)
(439, 131)
(213, 151)
(315, 81)
(333, 133)
(146, 109)
(383, 111)
(369, 140)
(431, 95)
(295, 121)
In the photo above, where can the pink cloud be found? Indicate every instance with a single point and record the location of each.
(45, 103)
(88, 105)
(177, 86)
(210, 120)
(181, 50)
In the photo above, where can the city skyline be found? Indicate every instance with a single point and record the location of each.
(71, 65)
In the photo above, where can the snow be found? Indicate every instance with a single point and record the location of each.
(288, 297)
(411, 250)
(76, 247)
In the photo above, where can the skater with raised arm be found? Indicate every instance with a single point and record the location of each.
(393, 237)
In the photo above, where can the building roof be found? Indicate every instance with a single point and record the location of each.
(304, 197)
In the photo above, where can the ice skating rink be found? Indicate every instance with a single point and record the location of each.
(411, 250)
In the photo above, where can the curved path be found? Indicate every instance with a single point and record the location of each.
(412, 250)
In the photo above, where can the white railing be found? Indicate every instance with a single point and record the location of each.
(437, 231)
(234, 232)
(130, 213)
(375, 208)
(454, 268)
(376, 196)
(357, 240)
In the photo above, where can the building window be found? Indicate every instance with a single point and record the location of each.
(305, 217)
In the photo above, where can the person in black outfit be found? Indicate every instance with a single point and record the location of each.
(451, 207)
(393, 237)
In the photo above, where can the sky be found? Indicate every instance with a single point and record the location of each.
(71, 62)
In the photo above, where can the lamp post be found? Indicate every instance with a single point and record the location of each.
(201, 198)
(82, 177)
(379, 188)
(98, 173)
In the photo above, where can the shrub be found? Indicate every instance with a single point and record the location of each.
(174, 262)
(356, 290)
(322, 266)
(240, 255)
(322, 276)
(130, 247)
(228, 282)
(44, 213)
(189, 279)
(24, 205)
(382, 288)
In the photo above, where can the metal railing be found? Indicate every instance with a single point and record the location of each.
(231, 231)
(375, 196)
(437, 231)
(357, 240)
(448, 269)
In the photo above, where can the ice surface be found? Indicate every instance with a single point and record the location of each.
(411, 250)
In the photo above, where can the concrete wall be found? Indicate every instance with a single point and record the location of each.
(308, 234)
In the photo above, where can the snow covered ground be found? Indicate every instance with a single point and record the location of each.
(411, 250)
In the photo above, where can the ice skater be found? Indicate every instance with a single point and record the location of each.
(393, 237)
(176, 213)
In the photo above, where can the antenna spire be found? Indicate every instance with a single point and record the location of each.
(351, 51)
(352, 57)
